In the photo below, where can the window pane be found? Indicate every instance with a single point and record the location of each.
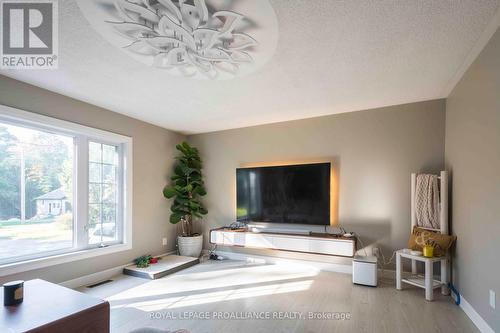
(94, 214)
(109, 155)
(95, 234)
(94, 224)
(108, 213)
(108, 173)
(109, 193)
(94, 193)
(103, 197)
(95, 172)
(95, 152)
(36, 196)
(109, 222)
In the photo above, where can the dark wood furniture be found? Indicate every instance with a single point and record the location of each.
(48, 307)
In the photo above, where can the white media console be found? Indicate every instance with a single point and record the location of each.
(315, 243)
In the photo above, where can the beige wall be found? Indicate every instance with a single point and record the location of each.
(152, 163)
(373, 151)
(473, 156)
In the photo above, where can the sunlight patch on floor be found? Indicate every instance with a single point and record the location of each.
(220, 296)
(190, 281)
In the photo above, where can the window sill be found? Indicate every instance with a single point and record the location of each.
(29, 265)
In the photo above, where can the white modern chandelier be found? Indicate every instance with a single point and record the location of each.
(185, 37)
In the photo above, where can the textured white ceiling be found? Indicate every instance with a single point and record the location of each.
(332, 57)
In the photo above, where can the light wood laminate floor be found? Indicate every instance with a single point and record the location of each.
(241, 290)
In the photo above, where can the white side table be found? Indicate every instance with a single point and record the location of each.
(428, 282)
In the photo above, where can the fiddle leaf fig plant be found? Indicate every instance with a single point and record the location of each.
(186, 188)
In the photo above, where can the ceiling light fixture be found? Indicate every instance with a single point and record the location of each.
(185, 37)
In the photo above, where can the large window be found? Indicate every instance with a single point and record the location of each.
(62, 187)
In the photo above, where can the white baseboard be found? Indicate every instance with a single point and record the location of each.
(100, 276)
(480, 323)
(93, 278)
(323, 266)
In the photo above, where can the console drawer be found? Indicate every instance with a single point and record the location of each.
(258, 240)
(291, 243)
(333, 247)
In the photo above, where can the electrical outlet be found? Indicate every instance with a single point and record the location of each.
(164, 241)
(376, 251)
(492, 299)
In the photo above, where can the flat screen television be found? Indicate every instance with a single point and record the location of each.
(298, 194)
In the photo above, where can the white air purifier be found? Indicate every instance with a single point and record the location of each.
(364, 270)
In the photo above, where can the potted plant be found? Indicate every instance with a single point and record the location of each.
(186, 189)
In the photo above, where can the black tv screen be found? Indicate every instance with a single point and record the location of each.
(297, 194)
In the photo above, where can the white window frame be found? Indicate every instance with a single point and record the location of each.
(82, 134)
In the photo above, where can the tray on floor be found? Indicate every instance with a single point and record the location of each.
(166, 265)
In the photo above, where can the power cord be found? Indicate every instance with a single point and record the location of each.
(382, 261)
(385, 262)
(358, 239)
